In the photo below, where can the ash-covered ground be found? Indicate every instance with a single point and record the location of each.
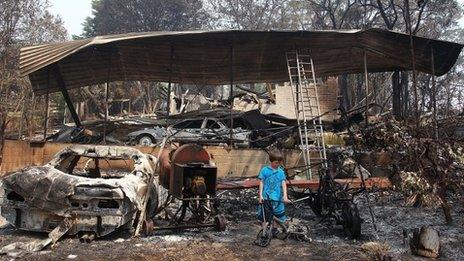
(236, 243)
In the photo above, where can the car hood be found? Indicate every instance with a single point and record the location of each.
(49, 189)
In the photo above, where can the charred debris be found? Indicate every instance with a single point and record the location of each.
(178, 189)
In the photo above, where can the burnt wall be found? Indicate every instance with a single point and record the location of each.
(235, 163)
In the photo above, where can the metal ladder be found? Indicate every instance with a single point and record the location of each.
(306, 101)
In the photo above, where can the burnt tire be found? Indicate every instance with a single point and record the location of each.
(351, 220)
(264, 237)
(220, 223)
(153, 202)
(315, 203)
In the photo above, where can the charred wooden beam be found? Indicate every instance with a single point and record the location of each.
(64, 92)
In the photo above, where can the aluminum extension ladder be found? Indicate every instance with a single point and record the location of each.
(307, 109)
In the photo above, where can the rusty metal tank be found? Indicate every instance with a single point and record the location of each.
(174, 162)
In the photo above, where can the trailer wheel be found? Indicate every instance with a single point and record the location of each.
(148, 226)
(151, 211)
(316, 204)
(152, 204)
(264, 237)
(220, 222)
(351, 220)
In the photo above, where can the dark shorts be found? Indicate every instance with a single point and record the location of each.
(272, 208)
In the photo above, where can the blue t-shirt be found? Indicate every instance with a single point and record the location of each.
(272, 182)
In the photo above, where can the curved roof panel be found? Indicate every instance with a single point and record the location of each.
(204, 57)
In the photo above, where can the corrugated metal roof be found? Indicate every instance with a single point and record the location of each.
(203, 57)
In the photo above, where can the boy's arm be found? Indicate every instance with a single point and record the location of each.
(284, 190)
(260, 191)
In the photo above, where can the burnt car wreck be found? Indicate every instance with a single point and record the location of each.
(202, 131)
(99, 187)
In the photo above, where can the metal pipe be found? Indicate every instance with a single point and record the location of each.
(47, 114)
(90, 238)
(190, 199)
(84, 238)
(150, 183)
(47, 106)
(106, 112)
(231, 94)
(87, 237)
(366, 78)
(107, 86)
(31, 127)
(434, 96)
(185, 226)
(168, 109)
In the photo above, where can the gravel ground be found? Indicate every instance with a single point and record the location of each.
(236, 243)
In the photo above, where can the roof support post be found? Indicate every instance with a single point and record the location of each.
(434, 96)
(414, 84)
(47, 106)
(107, 112)
(231, 93)
(64, 92)
(366, 79)
(47, 114)
(413, 62)
(168, 109)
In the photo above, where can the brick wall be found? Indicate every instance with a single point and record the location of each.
(328, 101)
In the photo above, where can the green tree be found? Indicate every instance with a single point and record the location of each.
(121, 16)
(256, 14)
(22, 23)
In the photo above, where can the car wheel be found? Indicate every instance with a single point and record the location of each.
(145, 140)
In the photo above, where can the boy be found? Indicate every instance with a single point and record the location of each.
(272, 189)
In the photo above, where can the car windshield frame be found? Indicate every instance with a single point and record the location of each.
(189, 124)
(69, 164)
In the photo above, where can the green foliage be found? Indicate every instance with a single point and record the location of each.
(22, 23)
(121, 16)
(257, 14)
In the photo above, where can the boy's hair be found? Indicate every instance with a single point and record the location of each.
(275, 156)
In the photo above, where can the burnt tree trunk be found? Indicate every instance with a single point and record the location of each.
(396, 96)
(3, 123)
(345, 99)
(404, 83)
(359, 88)
(445, 206)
